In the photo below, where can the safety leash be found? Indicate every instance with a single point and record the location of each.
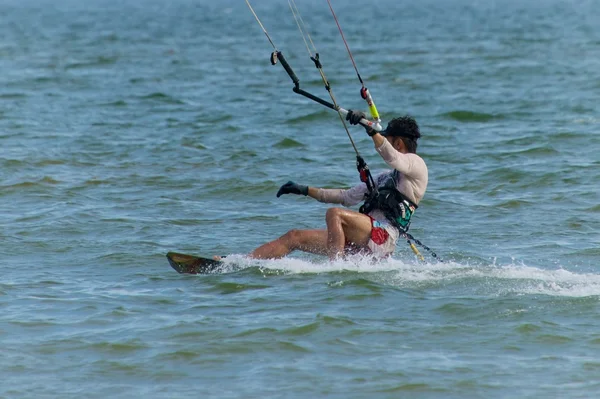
(409, 239)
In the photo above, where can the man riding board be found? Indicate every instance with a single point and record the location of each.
(383, 217)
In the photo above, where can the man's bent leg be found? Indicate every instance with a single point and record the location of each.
(313, 241)
(345, 226)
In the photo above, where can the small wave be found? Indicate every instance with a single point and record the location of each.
(99, 61)
(12, 96)
(302, 329)
(567, 136)
(211, 119)
(46, 79)
(141, 80)
(117, 103)
(470, 116)
(507, 174)
(162, 97)
(288, 143)
(120, 347)
(513, 204)
(185, 222)
(535, 151)
(232, 288)
(96, 182)
(10, 163)
(191, 144)
(120, 125)
(315, 116)
(243, 155)
(46, 180)
(46, 162)
(412, 387)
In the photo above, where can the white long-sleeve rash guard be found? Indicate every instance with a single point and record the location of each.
(412, 181)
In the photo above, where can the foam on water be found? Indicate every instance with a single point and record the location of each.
(493, 279)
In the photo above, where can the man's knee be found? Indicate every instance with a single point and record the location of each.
(333, 213)
(293, 236)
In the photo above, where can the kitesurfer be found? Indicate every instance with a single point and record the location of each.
(386, 211)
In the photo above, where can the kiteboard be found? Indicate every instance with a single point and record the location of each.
(190, 264)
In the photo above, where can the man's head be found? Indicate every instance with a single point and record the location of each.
(404, 129)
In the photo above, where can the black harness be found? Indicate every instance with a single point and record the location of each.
(396, 207)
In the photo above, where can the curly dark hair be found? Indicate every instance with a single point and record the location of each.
(406, 128)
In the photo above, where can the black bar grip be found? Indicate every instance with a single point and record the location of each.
(313, 97)
(288, 68)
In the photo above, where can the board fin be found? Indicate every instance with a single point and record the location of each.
(189, 264)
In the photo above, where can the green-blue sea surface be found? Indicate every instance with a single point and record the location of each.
(132, 128)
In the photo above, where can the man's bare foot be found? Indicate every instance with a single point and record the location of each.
(217, 258)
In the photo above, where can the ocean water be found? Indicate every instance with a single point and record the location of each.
(132, 128)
